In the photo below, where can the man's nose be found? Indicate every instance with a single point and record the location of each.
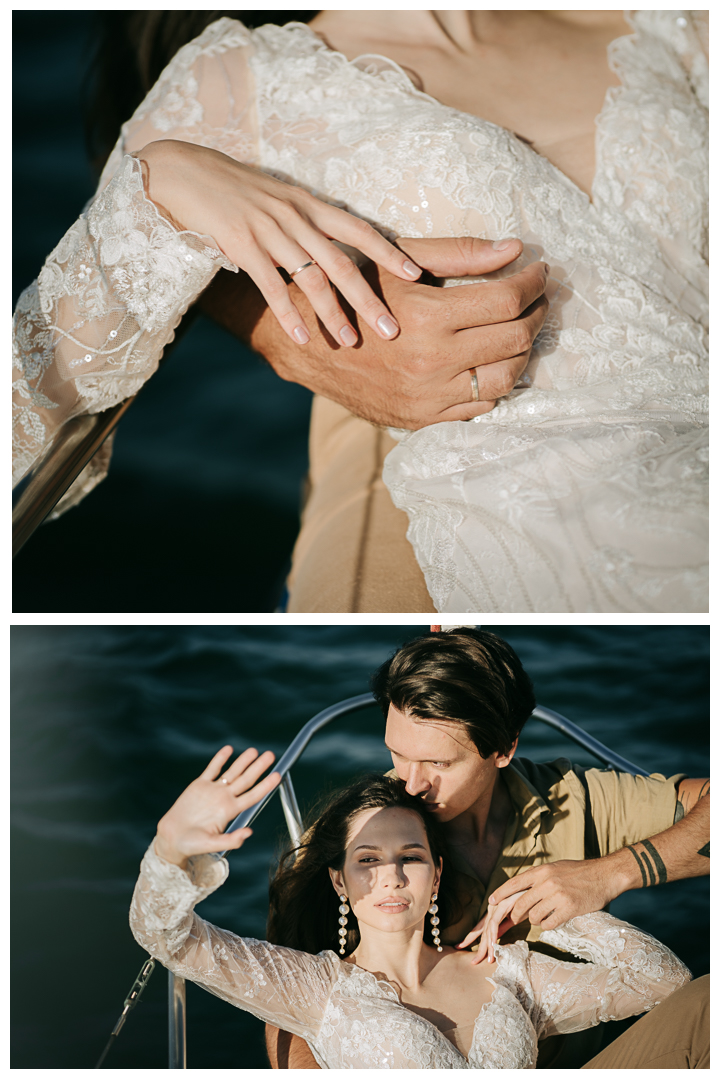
(416, 783)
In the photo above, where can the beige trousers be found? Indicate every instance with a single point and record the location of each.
(352, 554)
(674, 1035)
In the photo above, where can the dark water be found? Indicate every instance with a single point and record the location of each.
(200, 510)
(110, 722)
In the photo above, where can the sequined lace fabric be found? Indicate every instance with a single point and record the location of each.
(352, 1020)
(585, 488)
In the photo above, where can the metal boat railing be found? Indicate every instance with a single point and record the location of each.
(67, 454)
(176, 985)
(75, 443)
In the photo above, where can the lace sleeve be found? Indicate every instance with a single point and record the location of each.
(91, 330)
(629, 972)
(280, 986)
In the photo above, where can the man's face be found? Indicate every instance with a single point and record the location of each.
(438, 761)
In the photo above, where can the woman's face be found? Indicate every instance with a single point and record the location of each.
(389, 875)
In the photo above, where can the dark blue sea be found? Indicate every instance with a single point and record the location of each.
(109, 723)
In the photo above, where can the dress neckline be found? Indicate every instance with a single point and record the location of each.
(384, 983)
(410, 87)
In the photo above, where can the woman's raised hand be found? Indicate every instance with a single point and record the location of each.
(261, 224)
(196, 823)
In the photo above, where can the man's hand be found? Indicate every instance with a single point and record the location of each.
(556, 892)
(561, 890)
(423, 376)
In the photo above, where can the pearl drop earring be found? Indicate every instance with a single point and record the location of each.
(343, 922)
(434, 922)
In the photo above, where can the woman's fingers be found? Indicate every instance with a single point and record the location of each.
(335, 265)
(247, 768)
(481, 951)
(490, 937)
(250, 772)
(212, 769)
(295, 242)
(342, 226)
(264, 273)
(313, 281)
(258, 792)
(241, 763)
(328, 265)
(235, 839)
(468, 939)
(473, 934)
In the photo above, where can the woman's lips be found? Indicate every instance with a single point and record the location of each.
(393, 905)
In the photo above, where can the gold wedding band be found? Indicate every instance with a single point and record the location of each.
(474, 383)
(303, 267)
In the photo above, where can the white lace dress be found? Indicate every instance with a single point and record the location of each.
(584, 489)
(352, 1020)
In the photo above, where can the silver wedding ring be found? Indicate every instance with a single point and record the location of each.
(474, 382)
(303, 267)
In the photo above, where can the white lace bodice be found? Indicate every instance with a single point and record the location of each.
(584, 489)
(351, 1020)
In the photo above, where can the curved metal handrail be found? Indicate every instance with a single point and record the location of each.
(296, 747)
(593, 746)
(333, 712)
(76, 442)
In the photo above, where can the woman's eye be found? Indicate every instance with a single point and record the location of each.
(441, 764)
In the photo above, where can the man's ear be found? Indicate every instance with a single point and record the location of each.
(504, 759)
(337, 881)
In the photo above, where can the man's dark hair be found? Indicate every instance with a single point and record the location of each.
(469, 676)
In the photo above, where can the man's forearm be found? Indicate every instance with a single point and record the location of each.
(682, 851)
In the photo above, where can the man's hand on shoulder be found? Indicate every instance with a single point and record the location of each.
(546, 895)
(423, 375)
(558, 891)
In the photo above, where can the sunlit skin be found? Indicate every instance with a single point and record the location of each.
(439, 762)
(542, 74)
(389, 878)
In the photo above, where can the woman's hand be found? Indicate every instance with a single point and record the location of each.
(261, 223)
(195, 824)
(492, 926)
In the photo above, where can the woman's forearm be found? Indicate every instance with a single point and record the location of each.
(93, 327)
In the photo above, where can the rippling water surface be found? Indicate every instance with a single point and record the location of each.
(110, 723)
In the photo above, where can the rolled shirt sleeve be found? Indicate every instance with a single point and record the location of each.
(628, 808)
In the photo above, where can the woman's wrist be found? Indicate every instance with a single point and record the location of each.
(166, 851)
(156, 160)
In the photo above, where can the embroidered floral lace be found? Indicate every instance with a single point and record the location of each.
(584, 489)
(351, 1020)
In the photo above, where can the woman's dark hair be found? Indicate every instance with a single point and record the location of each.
(132, 49)
(469, 676)
(303, 903)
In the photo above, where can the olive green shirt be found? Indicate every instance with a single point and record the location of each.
(547, 823)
